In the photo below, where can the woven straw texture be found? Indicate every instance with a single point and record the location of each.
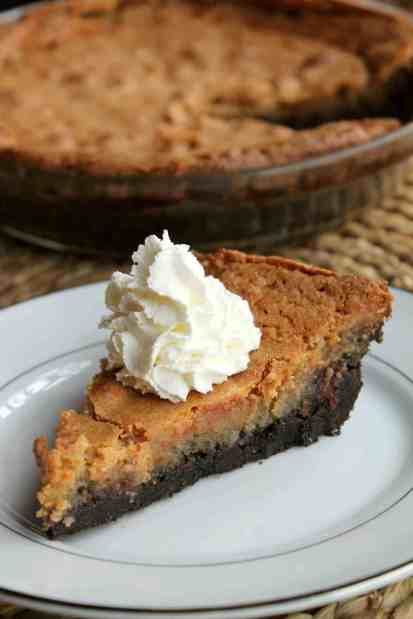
(377, 242)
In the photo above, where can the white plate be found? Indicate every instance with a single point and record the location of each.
(302, 529)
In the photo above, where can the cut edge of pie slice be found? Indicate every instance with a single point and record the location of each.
(126, 450)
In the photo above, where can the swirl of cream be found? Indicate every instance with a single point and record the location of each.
(175, 329)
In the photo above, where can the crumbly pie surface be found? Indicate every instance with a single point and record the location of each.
(146, 95)
(125, 449)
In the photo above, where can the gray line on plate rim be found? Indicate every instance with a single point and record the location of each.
(55, 358)
(194, 611)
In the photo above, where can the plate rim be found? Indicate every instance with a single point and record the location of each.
(263, 609)
(280, 605)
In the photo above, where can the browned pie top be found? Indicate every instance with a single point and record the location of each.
(213, 142)
(159, 83)
(302, 312)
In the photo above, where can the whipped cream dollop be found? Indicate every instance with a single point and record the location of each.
(174, 328)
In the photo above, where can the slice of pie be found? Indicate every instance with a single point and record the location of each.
(126, 450)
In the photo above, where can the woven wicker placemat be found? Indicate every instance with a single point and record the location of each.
(377, 242)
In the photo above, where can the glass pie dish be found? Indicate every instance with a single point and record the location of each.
(243, 208)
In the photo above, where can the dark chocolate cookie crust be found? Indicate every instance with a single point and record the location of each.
(324, 409)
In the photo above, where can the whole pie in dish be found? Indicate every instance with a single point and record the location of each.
(132, 86)
(126, 449)
(131, 116)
